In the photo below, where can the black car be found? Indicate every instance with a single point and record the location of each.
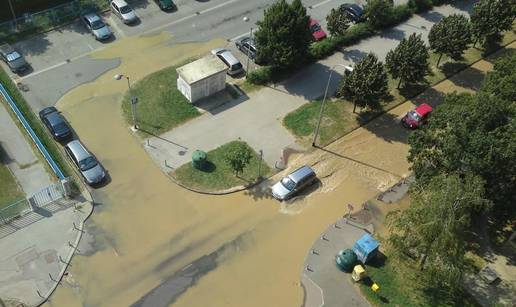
(354, 11)
(56, 124)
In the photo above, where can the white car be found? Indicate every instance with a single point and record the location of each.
(123, 11)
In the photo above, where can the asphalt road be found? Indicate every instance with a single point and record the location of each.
(59, 58)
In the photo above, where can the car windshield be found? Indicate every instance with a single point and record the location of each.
(288, 183)
(13, 56)
(125, 9)
(414, 116)
(237, 66)
(97, 24)
(314, 28)
(88, 163)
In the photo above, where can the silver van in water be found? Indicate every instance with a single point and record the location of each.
(235, 67)
(88, 166)
(293, 183)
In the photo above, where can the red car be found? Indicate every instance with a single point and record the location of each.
(416, 118)
(317, 32)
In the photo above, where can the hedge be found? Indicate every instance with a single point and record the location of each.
(34, 122)
(322, 49)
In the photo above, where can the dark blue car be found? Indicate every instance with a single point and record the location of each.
(56, 124)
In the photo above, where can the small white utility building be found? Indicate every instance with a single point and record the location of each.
(201, 78)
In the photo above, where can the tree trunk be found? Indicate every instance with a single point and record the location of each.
(475, 42)
(439, 60)
(354, 107)
(399, 84)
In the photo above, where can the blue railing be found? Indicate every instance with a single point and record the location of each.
(33, 135)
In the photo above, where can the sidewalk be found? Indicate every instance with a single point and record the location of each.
(26, 167)
(34, 258)
(258, 120)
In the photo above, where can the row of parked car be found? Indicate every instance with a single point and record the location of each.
(88, 166)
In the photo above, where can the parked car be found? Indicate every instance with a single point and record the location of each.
(235, 67)
(293, 183)
(166, 5)
(316, 30)
(121, 9)
(247, 46)
(96, 26)
(355, 11)
(417, 117)
(90, 169)
(56, 124)
(13, 59)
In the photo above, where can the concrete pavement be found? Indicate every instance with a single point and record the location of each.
(321, 278)
(21, 159)
(34, 258)
(255, 119)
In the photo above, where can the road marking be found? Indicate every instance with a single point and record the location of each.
(147, 32)
(189, 17)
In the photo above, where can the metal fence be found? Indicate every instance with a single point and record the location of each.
(24, 206)
(48, 19)
(14, 210)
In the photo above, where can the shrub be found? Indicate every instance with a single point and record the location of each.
(399, 14)
(261, 75)
(419, 6)
(378, 12)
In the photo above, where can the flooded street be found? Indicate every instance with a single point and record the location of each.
(145, 228)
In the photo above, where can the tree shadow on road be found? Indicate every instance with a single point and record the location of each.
(393, 34)
(354, 55)
(386, 126)
(471, 78)
(432, 16)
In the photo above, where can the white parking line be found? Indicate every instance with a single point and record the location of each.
(113, 23)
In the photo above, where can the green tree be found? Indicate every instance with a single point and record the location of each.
(501, 80)
(450, 36)
(238, 157)
(337, 22)
(490, 17)
(470, 135)
(409, 60)
(283, 36)
(434, 227)
(366, 85)
(378, 13)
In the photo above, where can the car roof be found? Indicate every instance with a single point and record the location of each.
(301, 173)
(353, 7)
(424, 109)
(119, 3)
(78, 150)
(92, 17)
(54, 118)
(226, 54)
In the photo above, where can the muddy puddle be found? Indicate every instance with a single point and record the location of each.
(147, 237)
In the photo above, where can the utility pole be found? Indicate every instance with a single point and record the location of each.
(14, 14)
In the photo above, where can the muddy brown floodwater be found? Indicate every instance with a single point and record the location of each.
(145, 228)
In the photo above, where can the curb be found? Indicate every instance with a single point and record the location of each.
(86, 194)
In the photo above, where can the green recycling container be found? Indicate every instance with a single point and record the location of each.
(199, 158)
(346, 260)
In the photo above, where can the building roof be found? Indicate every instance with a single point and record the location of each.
(201, 69)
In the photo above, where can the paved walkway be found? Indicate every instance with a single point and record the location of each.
(324, 283)
(255, 119)
(34, 257)
(26, 167)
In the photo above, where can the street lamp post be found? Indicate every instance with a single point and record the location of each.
(134, 101)
(14, 15)
(246, 19)
(316, 132)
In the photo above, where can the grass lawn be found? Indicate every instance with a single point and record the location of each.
(161, 106)
(338, 118)
(400, 285)
(9, 191)
(218, 175)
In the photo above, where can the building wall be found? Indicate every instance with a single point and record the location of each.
(203, 88)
